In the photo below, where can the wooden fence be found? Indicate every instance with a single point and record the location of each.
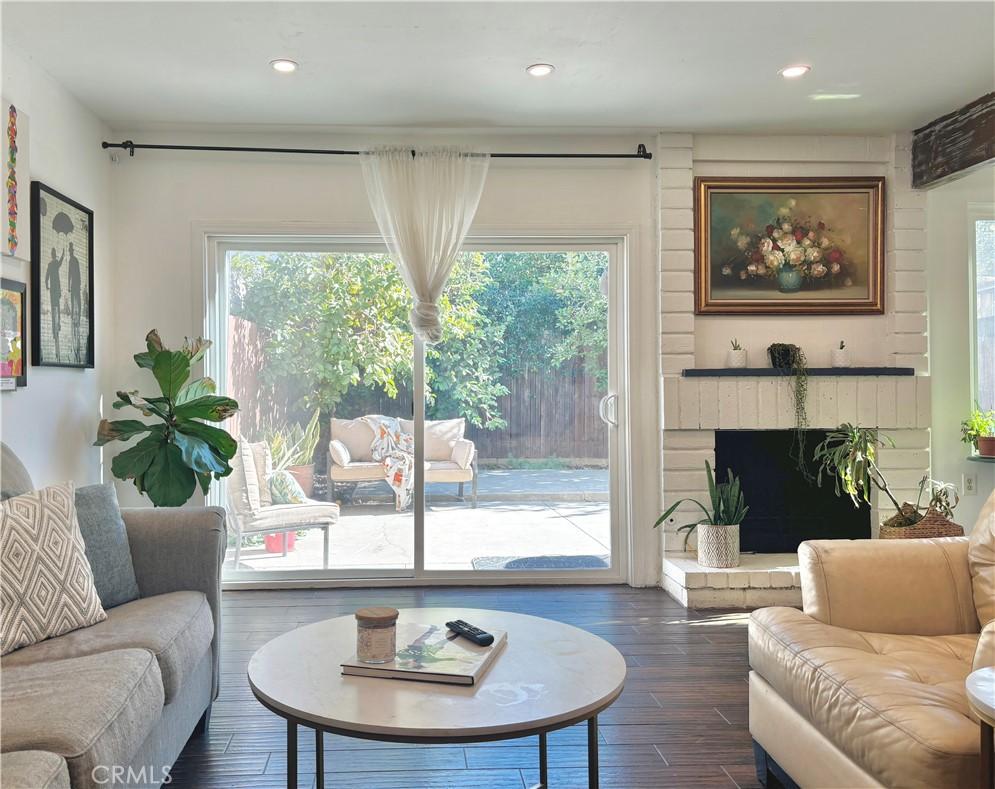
(550, 413)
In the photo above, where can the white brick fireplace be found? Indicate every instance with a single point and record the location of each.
(695, 407)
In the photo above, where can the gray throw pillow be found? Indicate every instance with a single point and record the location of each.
(106, 541)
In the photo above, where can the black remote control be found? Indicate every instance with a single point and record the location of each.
(475, 634)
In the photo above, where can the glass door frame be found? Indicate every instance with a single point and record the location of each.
(215, 315)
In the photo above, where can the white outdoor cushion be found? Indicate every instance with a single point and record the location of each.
(439, 436)
(446, 471)
(290, 514)
(356, 435)
(339, 452)
(357, 471)
(462, 453)
(256, 468)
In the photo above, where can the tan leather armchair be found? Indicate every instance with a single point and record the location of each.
(865, 685)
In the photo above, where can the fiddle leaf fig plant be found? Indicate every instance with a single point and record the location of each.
(181, 449)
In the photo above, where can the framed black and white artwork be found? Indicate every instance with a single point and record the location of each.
(61, 280)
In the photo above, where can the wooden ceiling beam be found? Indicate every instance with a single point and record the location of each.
(954, 143)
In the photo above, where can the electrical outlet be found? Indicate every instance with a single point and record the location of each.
(969, 484)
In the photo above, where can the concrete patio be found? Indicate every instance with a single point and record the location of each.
(521, 513)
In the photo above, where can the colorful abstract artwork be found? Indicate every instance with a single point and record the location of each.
(13, 332)
(789, 245)
(61, 280)
(11, 180)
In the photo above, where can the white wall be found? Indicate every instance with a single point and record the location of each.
(51, 424)
(950, 293)
(894, 339)
(162, 200)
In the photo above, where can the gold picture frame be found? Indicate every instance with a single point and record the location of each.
(789, 246)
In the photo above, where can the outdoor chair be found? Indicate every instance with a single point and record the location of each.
(251, 508)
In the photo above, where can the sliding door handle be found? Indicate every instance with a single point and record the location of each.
(609, 417)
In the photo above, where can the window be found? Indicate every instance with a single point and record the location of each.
(984, 312)
(517, 406)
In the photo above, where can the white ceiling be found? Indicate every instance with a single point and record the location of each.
(696, 66)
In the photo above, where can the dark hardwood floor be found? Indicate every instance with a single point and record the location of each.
(681, 721)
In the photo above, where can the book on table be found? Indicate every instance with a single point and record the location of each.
(432, 653)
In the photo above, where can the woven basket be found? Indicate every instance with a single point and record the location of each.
(933, 524)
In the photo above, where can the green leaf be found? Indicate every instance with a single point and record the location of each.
(148, 406)
(212, 408)
(219, 440)
(169, 481)
(119, 430)
(197, 454)
(195, 349)
(153, 343)
(205, 483)
(144, 360)
(171, 369)
(194, 389)
(134, 462)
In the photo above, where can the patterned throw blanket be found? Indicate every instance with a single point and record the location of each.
(395, 451)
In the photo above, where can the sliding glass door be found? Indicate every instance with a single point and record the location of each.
(517, 438)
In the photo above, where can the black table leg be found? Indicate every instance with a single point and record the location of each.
(592, 752)
(291, 755)
(987, 757)
(319, 759)
(543, 762)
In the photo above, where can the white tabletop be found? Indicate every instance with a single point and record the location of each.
(548, 674)
(981, 693)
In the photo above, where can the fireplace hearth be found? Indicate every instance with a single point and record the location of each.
(785, 509)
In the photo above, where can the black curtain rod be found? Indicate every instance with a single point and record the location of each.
(131, 147)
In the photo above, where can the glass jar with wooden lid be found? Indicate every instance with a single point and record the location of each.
(376, 634)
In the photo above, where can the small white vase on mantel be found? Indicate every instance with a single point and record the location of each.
(736, 358)
(718, 546)
(841, 356)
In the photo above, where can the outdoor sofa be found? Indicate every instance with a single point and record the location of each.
(449, 457)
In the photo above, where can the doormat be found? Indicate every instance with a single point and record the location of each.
(588, 562)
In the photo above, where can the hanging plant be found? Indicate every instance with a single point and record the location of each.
(791, 360)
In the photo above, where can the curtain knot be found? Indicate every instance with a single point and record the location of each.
(425, 321)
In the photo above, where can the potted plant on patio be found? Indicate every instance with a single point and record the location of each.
(292, 448)
(850, 455)
(978, 430)
(718, 531)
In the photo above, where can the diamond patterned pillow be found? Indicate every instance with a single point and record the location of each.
(47, 586)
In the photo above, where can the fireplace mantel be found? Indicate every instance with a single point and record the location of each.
(771, 372)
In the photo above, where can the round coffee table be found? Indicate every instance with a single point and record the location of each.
(549, 676)
(981, 696)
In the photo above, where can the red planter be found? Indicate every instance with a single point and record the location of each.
(986, 446)
(274, 542)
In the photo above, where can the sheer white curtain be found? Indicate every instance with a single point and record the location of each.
(424, 205)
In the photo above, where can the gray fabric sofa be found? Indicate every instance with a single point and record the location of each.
(115, 703)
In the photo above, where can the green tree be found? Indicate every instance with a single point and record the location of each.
(334, 325)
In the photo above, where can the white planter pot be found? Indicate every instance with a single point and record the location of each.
(718, 546)
(736, 359)
(841, 357)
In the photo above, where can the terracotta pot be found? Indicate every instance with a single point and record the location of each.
(304, 476)
(986, 446)
(718, 546)
(274, 542)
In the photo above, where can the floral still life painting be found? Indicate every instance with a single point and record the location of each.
(789, 246)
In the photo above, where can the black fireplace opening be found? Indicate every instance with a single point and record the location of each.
(785, 508)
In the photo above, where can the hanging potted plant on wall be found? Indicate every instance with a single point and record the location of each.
(791, 361)
(718, 531)
(978, 430)
(850, 454)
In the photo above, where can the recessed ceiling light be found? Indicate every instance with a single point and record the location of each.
(283, 65)
(834, 96)
(540, 69)
(793, 72)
